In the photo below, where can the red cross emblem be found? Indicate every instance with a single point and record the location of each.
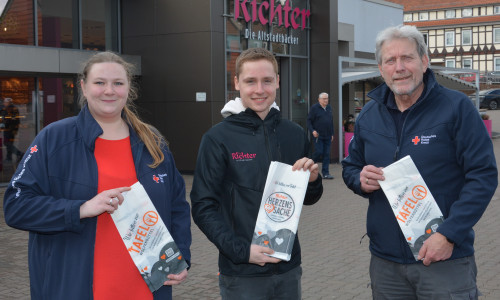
(34, 149)
(415, 140)
(157, 179)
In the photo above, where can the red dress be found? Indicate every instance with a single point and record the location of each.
(115, 274)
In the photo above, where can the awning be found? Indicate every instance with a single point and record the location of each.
(367, 69)
(447, 80)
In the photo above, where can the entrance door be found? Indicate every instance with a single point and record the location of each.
(27, 104)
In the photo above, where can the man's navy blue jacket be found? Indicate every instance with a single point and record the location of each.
(446, 138)
(56, 176)
(321, 120)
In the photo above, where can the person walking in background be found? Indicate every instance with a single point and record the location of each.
(320, 124)
(11, 121)
(440, 129)
(73, 178)
(229, 179)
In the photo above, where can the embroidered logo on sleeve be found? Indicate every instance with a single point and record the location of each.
(21, 173)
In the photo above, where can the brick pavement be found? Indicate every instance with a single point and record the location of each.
(335, 262)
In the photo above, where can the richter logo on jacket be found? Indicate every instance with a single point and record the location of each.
(423, 139)
(240, 156)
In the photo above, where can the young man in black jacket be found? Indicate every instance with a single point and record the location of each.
(233, 161)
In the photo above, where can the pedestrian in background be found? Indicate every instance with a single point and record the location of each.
(72, 179)
(411, 114)
(320, 124)
(10, 117)
(231, 170)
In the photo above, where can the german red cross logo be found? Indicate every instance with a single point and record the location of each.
(34, 149)
(157, 179)
(415, 140)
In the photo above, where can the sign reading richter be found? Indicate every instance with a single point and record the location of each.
(413, 205)
(147, 239)
(280, 209)
(266, 12)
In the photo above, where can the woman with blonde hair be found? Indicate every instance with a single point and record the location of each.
(69, 183)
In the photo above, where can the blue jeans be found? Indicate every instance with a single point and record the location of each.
(284, 286)
(322, 149)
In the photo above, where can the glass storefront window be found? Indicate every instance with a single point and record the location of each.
(256, 43)
(17, 124)
(281, 48)
(27, 108)
(301, 47)
(299, 91)
(234, 31)
(230, 73)
(289, 45)
(57, 27)
(100, 25)
(16, 23)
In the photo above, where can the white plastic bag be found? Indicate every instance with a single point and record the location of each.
(414, 207)
(280, 209)
(147, 239)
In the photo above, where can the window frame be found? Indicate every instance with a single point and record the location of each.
(423, 16)
(448, 61)
(446, 34)
(463, 63)
(469, 9)
(450, 14)
(470, 37)
(496, 65)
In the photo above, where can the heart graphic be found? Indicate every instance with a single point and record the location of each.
(409, 238)
(266, 242)
(260, 232)
(428, 231)
(269, 208)
(163, 256)
(279, 241)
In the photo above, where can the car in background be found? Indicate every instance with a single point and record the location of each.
(493, 77)
(471, 77)
(489, 99)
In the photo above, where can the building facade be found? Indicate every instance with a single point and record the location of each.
(460, 34)
(184, 52)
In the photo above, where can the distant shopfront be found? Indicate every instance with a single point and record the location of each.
(283, 28)
(184, 50)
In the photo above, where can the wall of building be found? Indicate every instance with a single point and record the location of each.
(182, 49)
(368, 17)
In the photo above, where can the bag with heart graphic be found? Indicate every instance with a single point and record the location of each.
(147, 239)
(280, 209)
(414, 207)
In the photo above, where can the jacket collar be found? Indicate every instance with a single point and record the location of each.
(91, 130)
(88, 127)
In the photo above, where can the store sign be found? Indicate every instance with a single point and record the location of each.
(265, 12)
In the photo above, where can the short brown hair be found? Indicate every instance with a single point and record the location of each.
(254, 54)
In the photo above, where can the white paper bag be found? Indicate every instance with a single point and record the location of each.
(146, 238)
(414, 207)
(280, 209)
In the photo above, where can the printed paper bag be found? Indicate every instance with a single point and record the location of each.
(146, 238)
(280, 209)
(413, 205)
